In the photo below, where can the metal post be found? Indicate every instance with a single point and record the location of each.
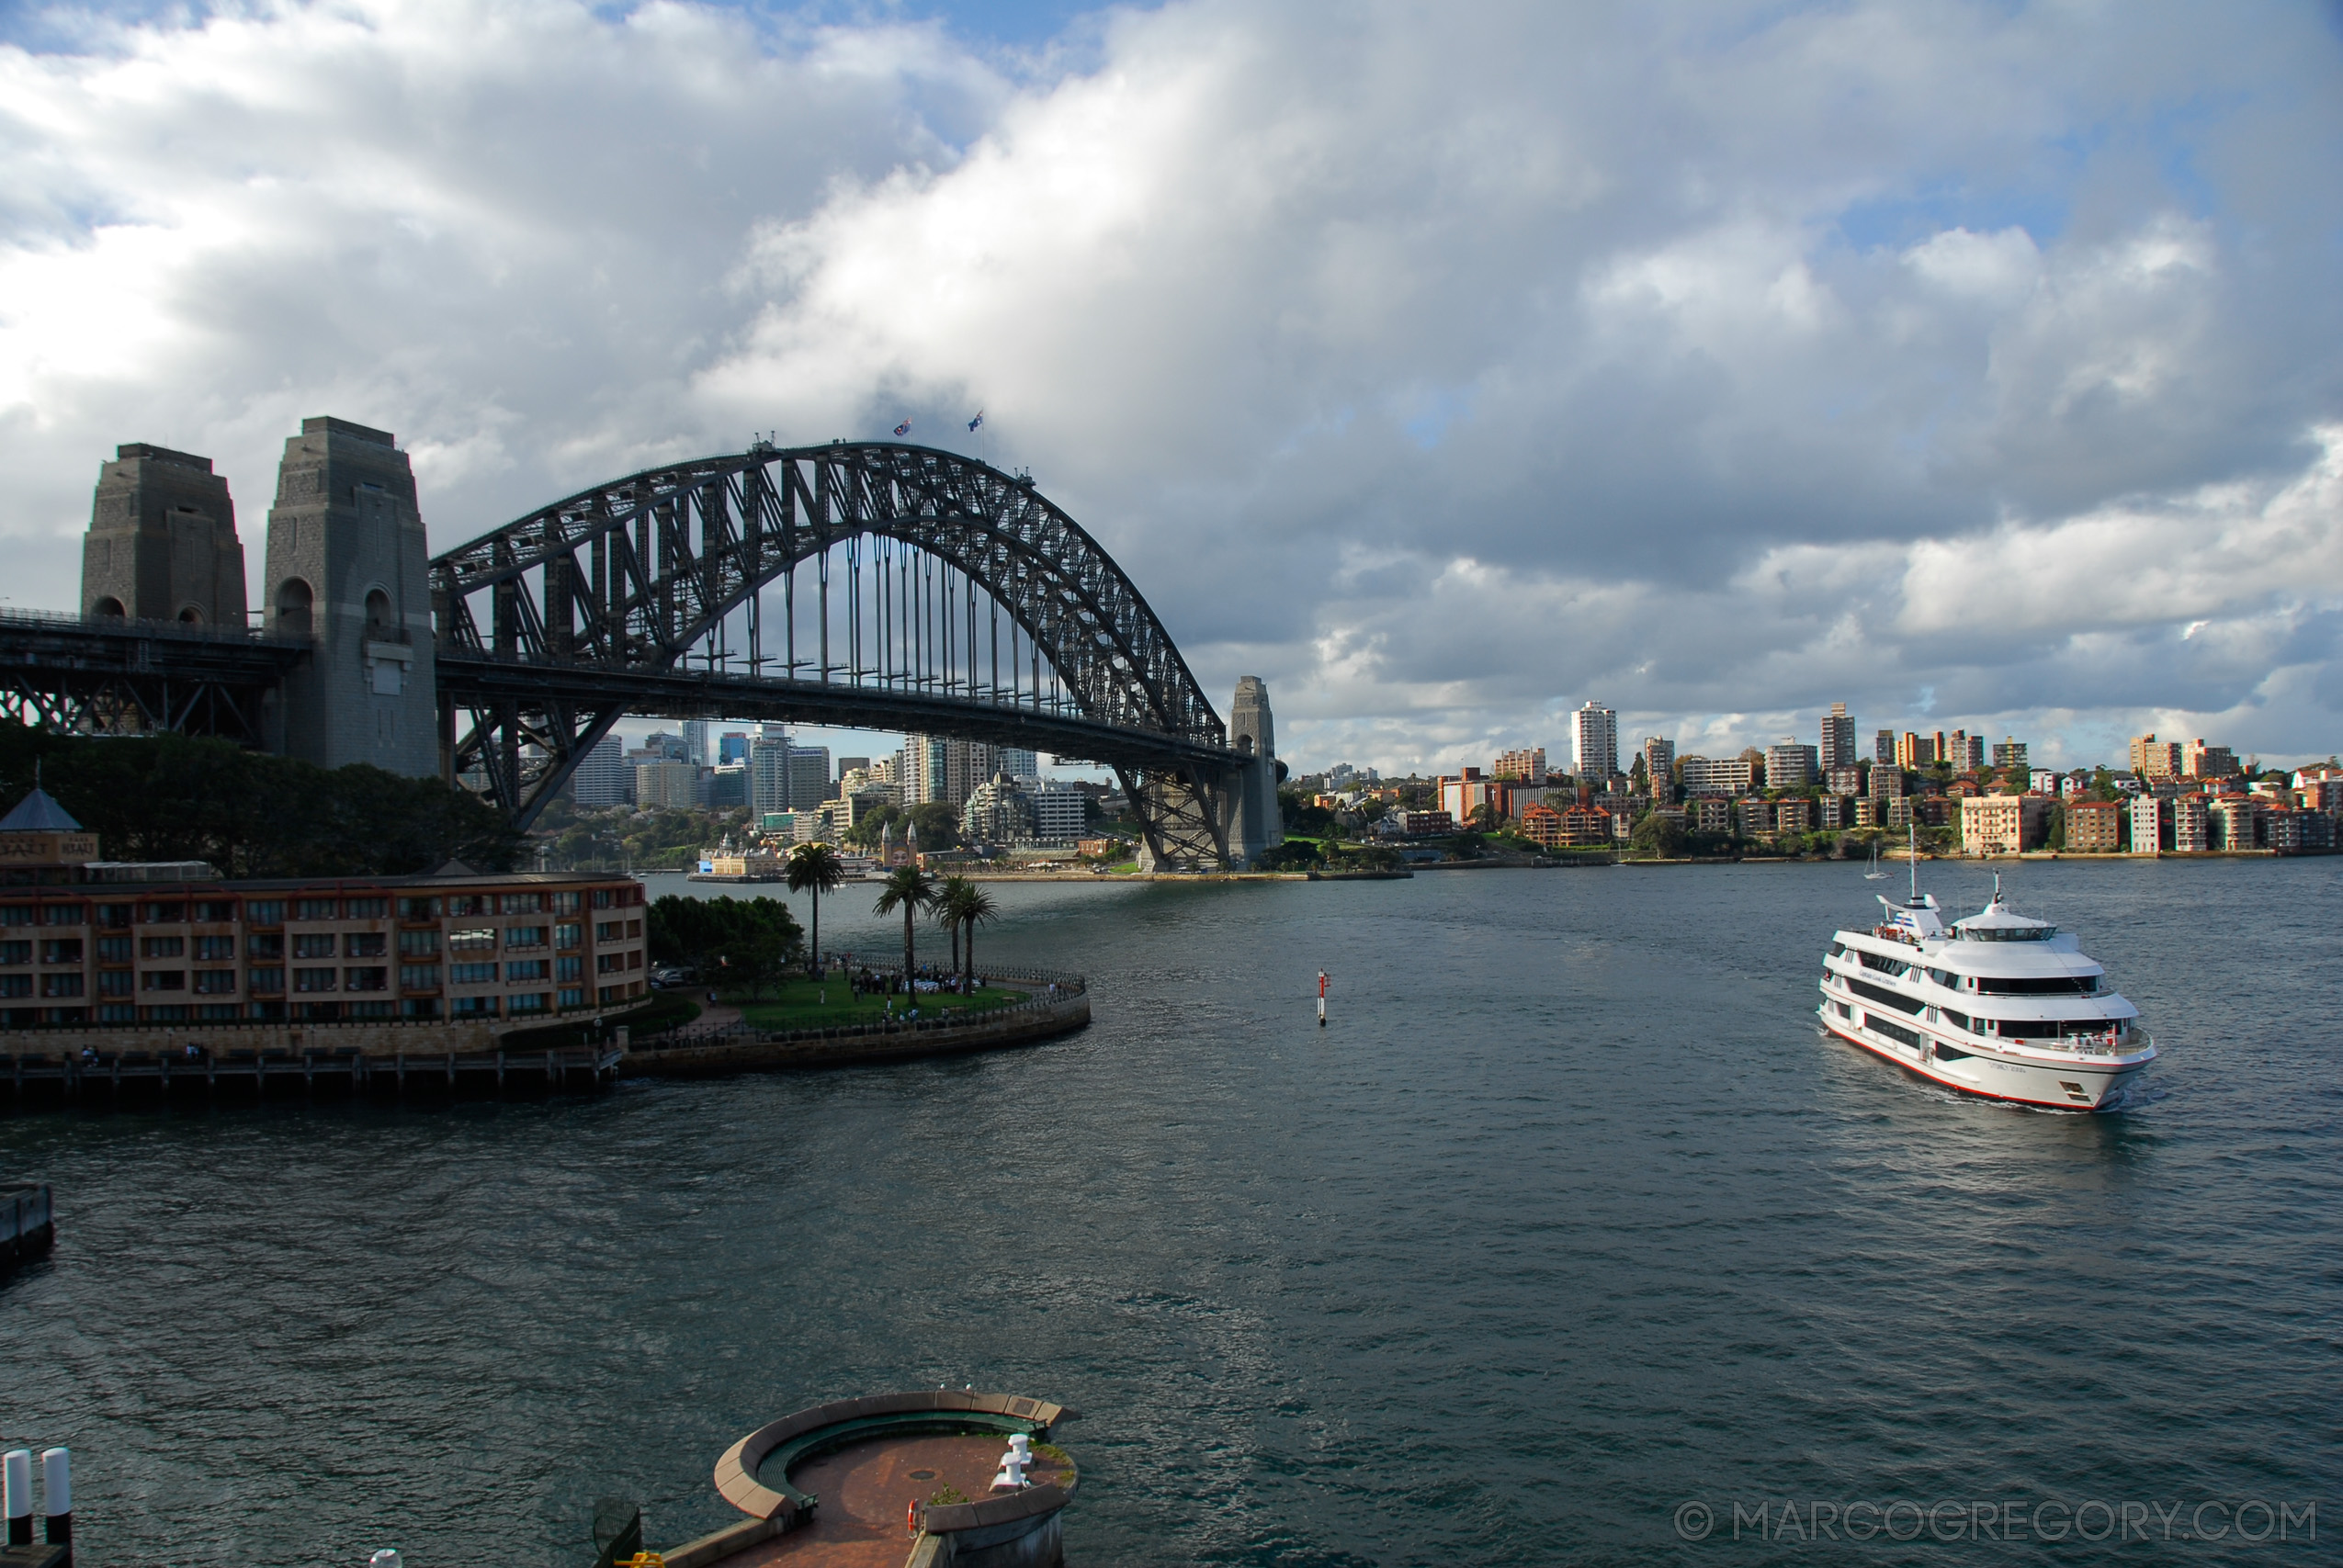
(56, 1493)
(16, 1481)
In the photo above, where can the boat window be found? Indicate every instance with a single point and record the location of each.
(1836, 948)
(1946, 979)
(1893, 1031)
(2038, 986)
(2018, 933)
(1885, 965)
(1959, 1019)
(1886, 998)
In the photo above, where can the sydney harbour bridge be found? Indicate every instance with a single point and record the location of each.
(866, 584)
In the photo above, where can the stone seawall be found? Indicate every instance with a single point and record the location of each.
(749, 1051)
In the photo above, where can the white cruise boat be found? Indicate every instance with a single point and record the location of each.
(1996, 1005)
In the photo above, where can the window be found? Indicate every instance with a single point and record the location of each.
(1893, 1030)
(1884, 963)
(370, 979)
(370, 909)
(117, 1012)
(18, 952)
(15, 984)
(1836, 948)
(606, 995)
(61, 915)
(1881, 994)
(2045, 986)
(162, 946)
(418, 909)
(479, 940)
(472, 973)
(1958, 1019)
(264, 911)
(61, 950)
(176, 1012)
(526, 969)
(312, 979)
(266, 982)
(268, 945)
(575, 996)
(166, 914)
(569, 968)
(317, 909)
(60, 984)
(567, 936)
(418, 977)
(215, 912)
(602, 897)
(525, 936)
(419, 1007)
(265, 1010)
(1844, 1010)
(115, 983)
(528, 1002)
(163, 980)
(313, 945)
(472, 904)
(609, 963)
(374, 1009)
(15, 914)
(113, 950)
(217, 1010)
(365, 944)
(215, 982)
(609, 931)
(634, 928)
(216, 949)
(523, 903)
(474, 1006)
(564, 904)
(116, 915)
(418, 944)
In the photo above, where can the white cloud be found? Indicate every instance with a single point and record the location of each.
(1445, 367)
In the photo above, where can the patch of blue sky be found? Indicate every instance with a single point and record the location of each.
(1428, 427)
(1899, 222)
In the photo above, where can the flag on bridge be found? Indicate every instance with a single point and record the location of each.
(974, 422)
(904, 428)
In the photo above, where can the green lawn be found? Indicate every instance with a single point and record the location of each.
(832, 1004)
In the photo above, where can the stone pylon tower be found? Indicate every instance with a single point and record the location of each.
(1256, 824)
(162, 543)
(347, 569)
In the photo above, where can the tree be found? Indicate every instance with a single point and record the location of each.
(947, 916)
(717, 931)
(965, 903)
(1660, 836)
(814, 867)
(910, 889)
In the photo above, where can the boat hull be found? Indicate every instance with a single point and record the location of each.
(2064, 1086)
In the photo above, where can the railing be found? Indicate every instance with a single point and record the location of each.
(205, 631)
(1050, 989)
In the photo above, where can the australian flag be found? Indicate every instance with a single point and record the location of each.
(904, 428)
(974, 422)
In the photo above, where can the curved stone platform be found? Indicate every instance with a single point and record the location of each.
(746, 1050)
(873, 1456)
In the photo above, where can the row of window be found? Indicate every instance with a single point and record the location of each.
(273, 945)
(311, 1012)
(275, 912)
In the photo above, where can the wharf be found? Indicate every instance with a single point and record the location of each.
(32, 1078)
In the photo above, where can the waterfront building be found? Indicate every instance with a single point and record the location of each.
(1846, 779)
(1838, 748)
(2191, 828)
(946, 768)
(1794, 814)
(131, 944)
(1460, 797)
(1542, 825)
(1659, 768)
(2003, 824)
(2148, 822)
(2009, 753)
(1527, 766)
(1017, 760)
(1422, 824)
(2043, 781)
(1867, 812)
(1585, 827)
(2094, 826)
(1753, 816)
(1789, 765)
(996, 813)
(1964, 751)
(769, 775)
(1886, 781)
(1059, 813)
(1835, 811)
(1594, 731)
(2199, 761)
(1719, 775)
(1708, 814)
(1900, 813)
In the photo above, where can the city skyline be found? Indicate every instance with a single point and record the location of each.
(1973, 366)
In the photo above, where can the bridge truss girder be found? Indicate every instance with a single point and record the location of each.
(554, 625)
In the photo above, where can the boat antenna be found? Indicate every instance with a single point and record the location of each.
(1912, 838)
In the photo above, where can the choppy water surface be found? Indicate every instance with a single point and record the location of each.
(1569, 1218)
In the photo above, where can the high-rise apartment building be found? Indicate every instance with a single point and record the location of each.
(1883, 746)
(602, 778)
(1718, 775)
(946, 768)
(1838, 748)
(1660, 764)
(1016, 760)
(809, 776)
(2010, 752)
(1964, 751)
(1594, 731)
(666, 785)
(1916, 750)
(2153, 759)
(734, 747)
(769, 775)
(1528, 766)
(696, 741)
(1789, 765)
(2199, 761)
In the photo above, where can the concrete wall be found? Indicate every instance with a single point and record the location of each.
(162, 543)
(1019, 1025)
(347, 568)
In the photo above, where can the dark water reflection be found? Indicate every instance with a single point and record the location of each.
(1569, 1218)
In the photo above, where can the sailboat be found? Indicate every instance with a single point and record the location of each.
(1874, 873)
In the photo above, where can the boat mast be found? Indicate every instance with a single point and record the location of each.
(1912, 838)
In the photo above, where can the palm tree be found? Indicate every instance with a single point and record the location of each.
(814, 867)
(945, 908)
(967, 905)
(910, 889)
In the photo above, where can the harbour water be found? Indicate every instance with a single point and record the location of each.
(1568, 1220)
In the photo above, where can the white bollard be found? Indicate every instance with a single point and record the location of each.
(57, 1496)
(16, 1481)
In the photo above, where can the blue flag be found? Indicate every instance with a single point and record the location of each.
(974, 422)
(904, 428)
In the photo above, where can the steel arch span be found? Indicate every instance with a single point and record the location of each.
(894, 572)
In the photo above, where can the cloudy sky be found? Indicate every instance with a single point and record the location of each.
(1977, 365)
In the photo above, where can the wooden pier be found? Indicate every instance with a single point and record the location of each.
(34, 1079)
